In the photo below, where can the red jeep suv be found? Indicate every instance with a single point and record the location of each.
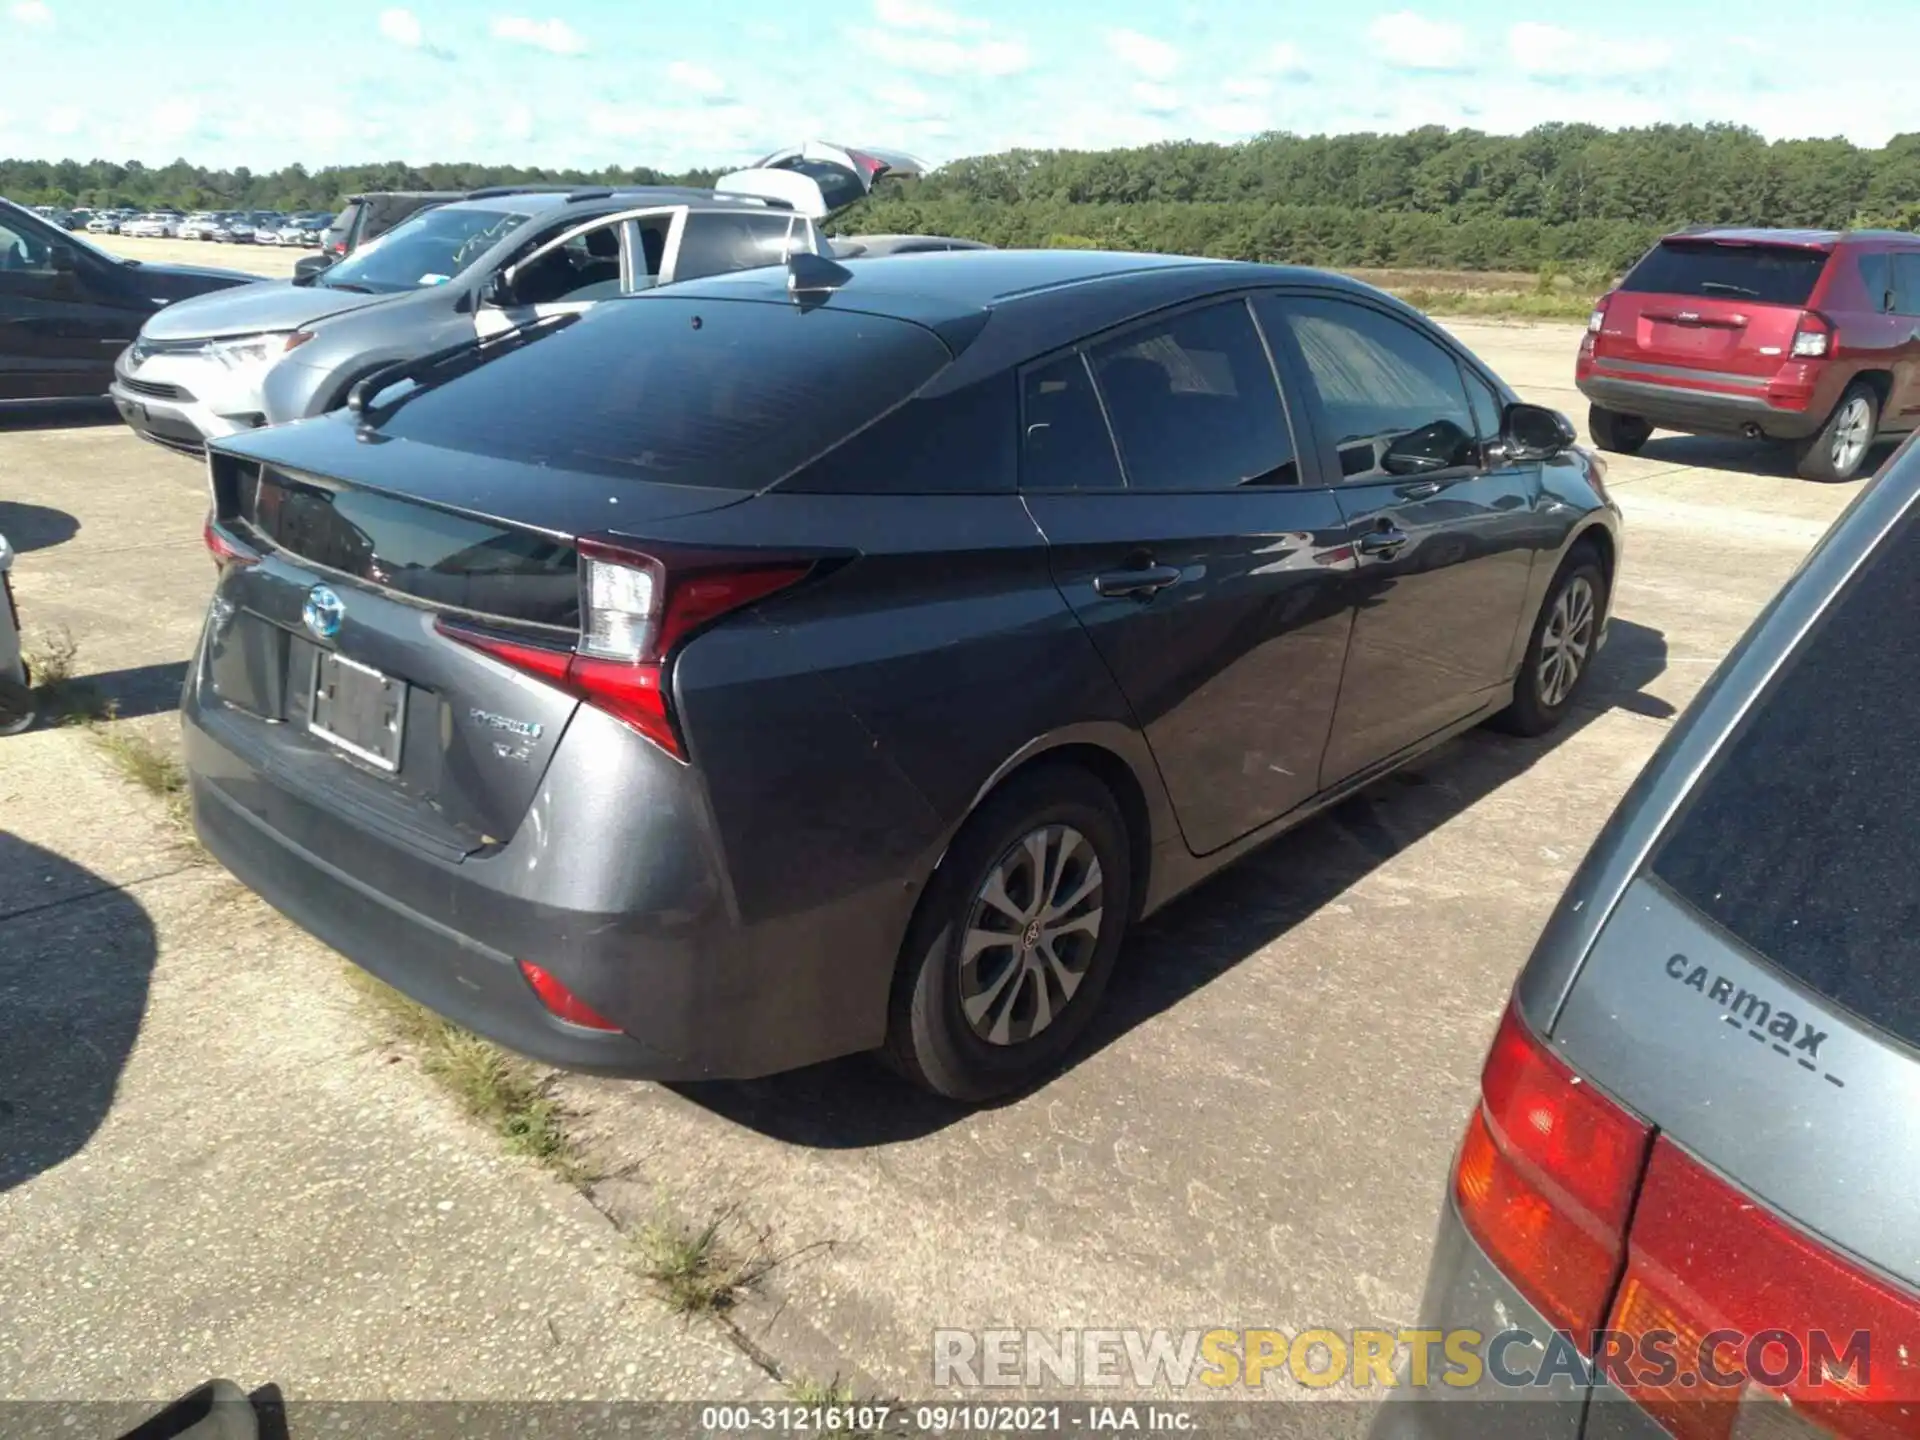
(1806, 336)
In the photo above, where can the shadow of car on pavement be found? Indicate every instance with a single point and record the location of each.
(76, 955)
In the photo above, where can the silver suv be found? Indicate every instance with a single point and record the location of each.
(497, 259)
(1685, 1202)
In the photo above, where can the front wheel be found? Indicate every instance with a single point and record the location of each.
(1013, 944)
(1561, 650)
(1841, 447)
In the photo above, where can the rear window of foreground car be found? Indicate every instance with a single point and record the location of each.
(1771, 274)
(1804, 839)
(725, 394)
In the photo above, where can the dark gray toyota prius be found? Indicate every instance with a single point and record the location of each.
(1685, 1203)
(839, 658)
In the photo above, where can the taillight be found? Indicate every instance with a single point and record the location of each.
(561, 1002)
(1598, 318)
(226, 551)
(1813, 340)
(1546, 1178)
(634, 609)
(1769, 1326)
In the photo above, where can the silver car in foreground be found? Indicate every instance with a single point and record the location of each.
(456, 273)
(1685, 1202)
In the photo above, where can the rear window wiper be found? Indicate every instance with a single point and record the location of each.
(1729, 288)
(429, 372)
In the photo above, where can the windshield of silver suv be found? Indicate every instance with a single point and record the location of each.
(428, 249)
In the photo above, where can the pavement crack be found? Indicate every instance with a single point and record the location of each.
(22, 912)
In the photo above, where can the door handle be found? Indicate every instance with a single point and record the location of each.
(1143, 584)
(1386, 542)
(1419, 490)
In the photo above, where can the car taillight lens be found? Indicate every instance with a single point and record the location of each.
(1598, 318)
(1546, 1177)
(561, 1002)
(223, 547)
(634, 609)
(1811, 1343)
(1813, 340)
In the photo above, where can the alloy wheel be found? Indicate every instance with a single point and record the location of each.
(1852, 433)
(1567, 641)
(1031, 934)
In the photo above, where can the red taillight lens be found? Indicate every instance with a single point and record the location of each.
(1806, 1334)
(562, 1002)
(1546, 1177)
(223, 547)
(634, 609)
(1598, 319)
(1813, 339)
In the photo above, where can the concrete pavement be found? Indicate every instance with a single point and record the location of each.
(1258, 1136)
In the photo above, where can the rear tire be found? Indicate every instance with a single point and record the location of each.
(1013, 944)
(18, 709)
(1842, 446)
(1561, 650)
(1623, 434)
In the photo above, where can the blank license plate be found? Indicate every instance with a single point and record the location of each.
(358, 709)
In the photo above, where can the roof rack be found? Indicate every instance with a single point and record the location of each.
(489, 192)
(574, 197)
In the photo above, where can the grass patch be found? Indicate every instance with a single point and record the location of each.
(149, 765)
(700, 1272)
(62, 697)
(1551, 304)
(502, 1091)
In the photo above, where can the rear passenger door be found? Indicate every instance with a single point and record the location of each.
(1443, 533)
(1189, 533)
(1903, 403)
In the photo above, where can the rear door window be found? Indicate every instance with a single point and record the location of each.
(1876, 278)
(1906, 282)
(1771, 274)
(1803, 841)
(715, 243)
(1194, 404)
(728, 394)
(1065, 443)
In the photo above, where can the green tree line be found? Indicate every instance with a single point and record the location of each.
(1559, 195)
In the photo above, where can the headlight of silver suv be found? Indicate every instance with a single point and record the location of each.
(245, 352)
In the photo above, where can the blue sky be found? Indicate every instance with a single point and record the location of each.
(593, 82)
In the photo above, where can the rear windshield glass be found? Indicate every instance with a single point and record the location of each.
(447, 560)
(726, 394)
(1804, 841)
(1771, 274)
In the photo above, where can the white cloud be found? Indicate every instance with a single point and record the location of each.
(943, 55)
(65, 120)
(552, 35)
(921, 15)
(697, 78)
(1548, 51)
(516, 122)
(1234, 118)
(174, 118)
(1247, 88)
(1155, 99)
(1410, 41)
(1285, 59)
(1143, 54)
(32, 12)
(402, 27)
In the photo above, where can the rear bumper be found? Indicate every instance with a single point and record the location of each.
(626, 904)
(1700, 412)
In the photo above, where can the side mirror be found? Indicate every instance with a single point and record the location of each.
(62, 259)
(1533, 432)
(307, 266)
